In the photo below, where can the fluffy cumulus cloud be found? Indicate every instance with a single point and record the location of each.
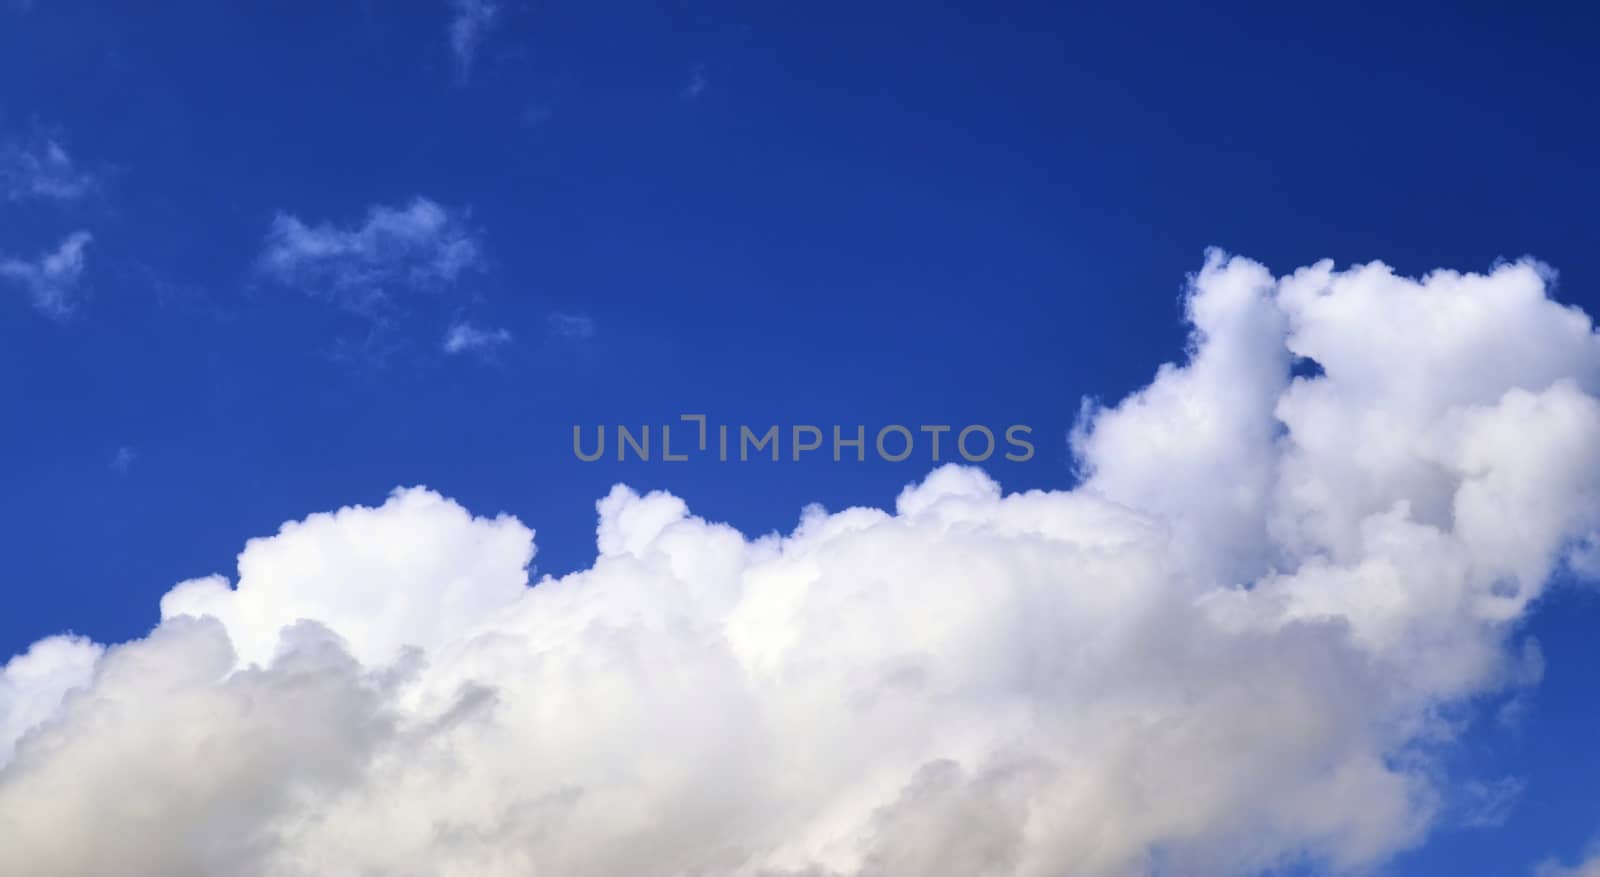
(417, 246)
(32, 684)
(51, 279)
(1245, 640)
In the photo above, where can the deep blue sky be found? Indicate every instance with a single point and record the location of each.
(772, 213)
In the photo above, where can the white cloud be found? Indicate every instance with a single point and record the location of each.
(1230, 648)
(471, 21)
(1489, 804)
(575, 326)
(1587, 868)
(122, 460)
(33, 683)
(416, 246)
(467, 338)
(51, 279)
(42, 169)
(698, 82)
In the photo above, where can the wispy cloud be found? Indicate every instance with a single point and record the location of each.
(466, 338)
(1488, 804)
(122, 460)
(698, 82)
(51, 279)
(576, 326)
(1587, 868)
(41, 169)
(414, 247)
(471, 22)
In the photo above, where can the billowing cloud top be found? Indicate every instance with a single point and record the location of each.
(1228, 649)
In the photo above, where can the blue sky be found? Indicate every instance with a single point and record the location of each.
(768, 213)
